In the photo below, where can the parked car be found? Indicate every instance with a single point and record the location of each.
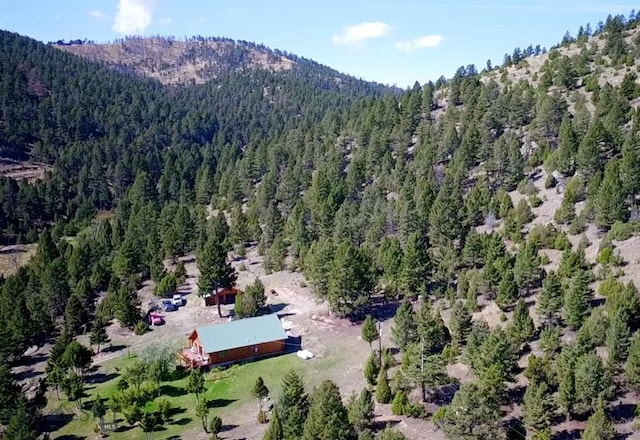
(168, 306)
(177, 300)
(155, 319)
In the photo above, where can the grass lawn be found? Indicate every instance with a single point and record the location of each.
(225, 394)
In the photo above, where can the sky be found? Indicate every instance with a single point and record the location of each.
(393, 42)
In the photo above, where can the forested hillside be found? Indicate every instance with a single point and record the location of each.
(499, 200)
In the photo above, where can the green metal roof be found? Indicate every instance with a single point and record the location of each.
(241, 333)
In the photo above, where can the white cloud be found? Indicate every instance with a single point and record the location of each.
(363, 31)
(133, 16)
(98, 14)
(420, 43)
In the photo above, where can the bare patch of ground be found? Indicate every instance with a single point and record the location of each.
(29, 171)
(14, 257)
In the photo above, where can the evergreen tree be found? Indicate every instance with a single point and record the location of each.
(432, 333)
(98, 335)
(318, 264)
(274, 431)
(414, 272)
(550, 298)
(215, 271)
(507, 290)
(617, 338)
(383, 391)
(351, 280)
(610, 202)
(328, 417)
(471, 415)
(522, 328)
(404, 329)
(127, 306)
(23, 424)
(371, 369)
(538, 407)
(632, 367)
(369, 331)
(630, 164)
(9, 392)
(259, 392)
(360, 409)
(293, 406)
(576, 300)
(195, 383)
(460, 324)
(74, 315)
(590, 381)
(526, 269)
(599, 427)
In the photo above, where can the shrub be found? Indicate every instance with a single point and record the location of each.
(215, 425)
(544, 259)
(550, 182)
(416, 410)
(140, 328)
(262, 417)
(400, 403)
(535, 201)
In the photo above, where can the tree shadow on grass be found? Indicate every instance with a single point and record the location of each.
(229, 427)
(219, 403)
(173, 391)
(100, 378)
(183, 421)
(113, 348)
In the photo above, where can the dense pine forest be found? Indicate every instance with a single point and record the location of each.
(511, 190)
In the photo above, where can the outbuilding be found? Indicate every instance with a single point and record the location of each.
(234, 341)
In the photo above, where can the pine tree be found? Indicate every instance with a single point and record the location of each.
(617, 338)
(522, 328)
(259, 392)
(432, 333)
(98, 335)
(404, 329)
(22, 425)
(538, 407)
(127, 307)
(369, 331)
(371, 369)
(274, 431)
(318, 263)
(590, 381)
(414, 272)
(526, 269)
(471, 412)
(460, 324)
(632, 367)
(576, 300)
(75, 315)
(610, 202)
(507, 290)
(383, 391)
(9, 392)
(215, 271)
(293, 406)
(599, 427)
(360, 409)
(550, 298)
(195, 383)
(328, 417)
(351, 280)
(564, 157)
(630, 164)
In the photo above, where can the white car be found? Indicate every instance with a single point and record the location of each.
(177, 300)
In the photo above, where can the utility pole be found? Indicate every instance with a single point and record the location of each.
(380, 344)
(424, 397)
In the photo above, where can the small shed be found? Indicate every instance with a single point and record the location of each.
(234, 341)
(226, 296)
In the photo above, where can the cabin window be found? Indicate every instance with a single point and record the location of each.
(223, 353)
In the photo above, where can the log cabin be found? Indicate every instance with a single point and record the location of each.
(234, 341)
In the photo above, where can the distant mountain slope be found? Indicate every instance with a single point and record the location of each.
(198, 60)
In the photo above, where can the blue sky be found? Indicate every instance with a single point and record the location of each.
(398, 41)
